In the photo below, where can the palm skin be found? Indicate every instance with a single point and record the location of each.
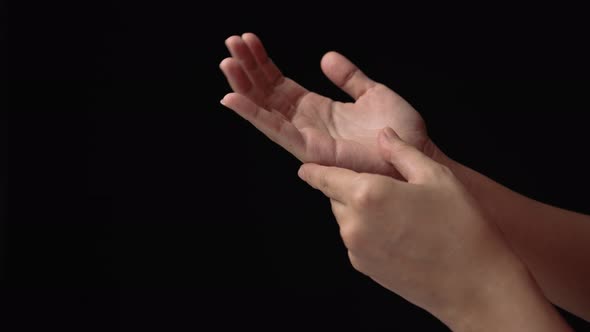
(312, 127)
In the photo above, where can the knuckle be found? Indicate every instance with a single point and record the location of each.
(446, 171)
(338, 210)
(369, 194)
(353, 238)
(438, 172)
(356, 262)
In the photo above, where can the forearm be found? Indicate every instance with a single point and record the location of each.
(552, 242)
(509, 301)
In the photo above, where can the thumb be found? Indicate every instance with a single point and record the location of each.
(346, 75)
(412, 164)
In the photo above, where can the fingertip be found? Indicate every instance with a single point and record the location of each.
(223, 100)
(383, 137)
(329, 59)
(306, 169)
(250, 36)
(330, 55)
(232, 40)
(390, 134)
(256, 47)
(240, 104)
(230, 65)
(230, 97)
(301, 172)
(225, 63)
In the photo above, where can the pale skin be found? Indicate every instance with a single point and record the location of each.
(427, 240)
(551, 243)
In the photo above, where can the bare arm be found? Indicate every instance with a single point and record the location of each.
(553, 243)
(446, 258)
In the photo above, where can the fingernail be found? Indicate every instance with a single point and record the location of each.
(301, 172)
(222, 102)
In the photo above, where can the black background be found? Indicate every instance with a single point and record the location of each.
(135, 201)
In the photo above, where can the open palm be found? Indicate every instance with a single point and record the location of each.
(312, 127)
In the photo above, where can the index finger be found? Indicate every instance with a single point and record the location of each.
(336, 183)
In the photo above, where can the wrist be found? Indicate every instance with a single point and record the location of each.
(435, 153)
(473, 181)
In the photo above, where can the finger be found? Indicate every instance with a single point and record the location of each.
(336, 183)
(272, 124)
(283, 86)
(240, 83)
(236, 77)
(272, 72)
(240, 51)
(412, 164)
(346, 75)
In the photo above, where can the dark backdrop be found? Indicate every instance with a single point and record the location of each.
(136, 202)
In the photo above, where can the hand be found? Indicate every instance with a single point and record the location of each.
(424, 239)
(312, 127)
